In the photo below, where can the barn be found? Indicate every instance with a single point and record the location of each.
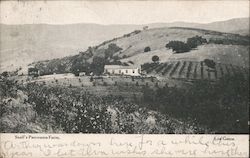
(122, 70)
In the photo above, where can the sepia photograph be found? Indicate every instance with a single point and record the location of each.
(124, 67)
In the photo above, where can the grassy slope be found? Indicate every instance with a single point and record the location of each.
(226, 54)
(156, 39)
(134, 43)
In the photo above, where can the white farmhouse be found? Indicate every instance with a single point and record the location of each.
(122, 70)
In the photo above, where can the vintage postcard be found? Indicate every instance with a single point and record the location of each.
(124, 78)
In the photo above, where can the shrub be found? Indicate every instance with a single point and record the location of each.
(156, 84)
(210, 63)
(155, 58)
(124, 56)
(137, 84)
(136, 31)
(5, 74)
(166, 85)
(116, 58)
(132, 78)
(125, 64)
(147, 49)
(131, 62)
(152, 79)
(91, 79)
(105, 84)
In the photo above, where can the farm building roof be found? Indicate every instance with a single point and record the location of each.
(120, 67)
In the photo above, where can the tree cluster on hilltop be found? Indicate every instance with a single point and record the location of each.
(181, 47)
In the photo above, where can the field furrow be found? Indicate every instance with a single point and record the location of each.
(224, 70)
(213, 74)
(182, 71)
(166, 71)
(206, 71)
(196, 70)
(195, 73)
(219, 71)
(189, 69)
(199, 71)
(233, 69)
(228, 70)
(160, 67)
(150, 69)
(175, 67)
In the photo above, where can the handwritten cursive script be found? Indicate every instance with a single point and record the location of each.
(14, 146)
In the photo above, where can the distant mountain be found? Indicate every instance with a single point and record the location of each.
(238, 26)
(23, 44)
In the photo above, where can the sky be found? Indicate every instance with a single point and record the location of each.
(120, 12)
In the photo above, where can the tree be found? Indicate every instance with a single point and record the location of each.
(195, 41)
(97, 65)
(147, 49)
(155, 58)
(178, 46)
(5, 74)
(78, 66)
(210, 63)
(112, 48)
(145, 27)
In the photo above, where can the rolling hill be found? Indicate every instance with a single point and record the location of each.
(24, 44)
(129, 48)
(134, 45)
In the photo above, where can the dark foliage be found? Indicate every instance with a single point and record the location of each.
(147, 49)
(112, 48)
(222, 107)
(181, 47)
(178, 46)
(97, 65)
(231, 41)
(79, 66)
(195, 41)
(210, 63)
(155, 58)
(124, 56)
(131, 62)
(5, 74)
(8, 88)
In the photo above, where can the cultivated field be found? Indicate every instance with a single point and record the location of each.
(192, 70)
